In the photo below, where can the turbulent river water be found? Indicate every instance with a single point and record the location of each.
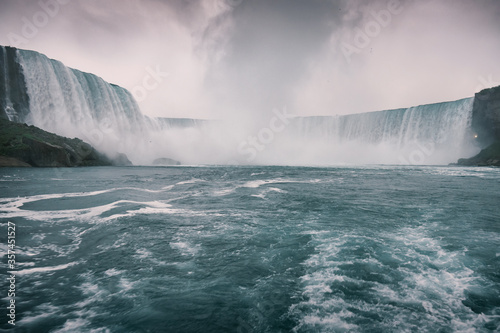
(253, 249)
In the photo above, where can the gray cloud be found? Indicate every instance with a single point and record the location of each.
(271, 43)
(228, 57)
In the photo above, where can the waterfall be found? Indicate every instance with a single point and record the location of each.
(71, 103)
(434, 122)
(426, 134)
(76, 104)
(170, 123)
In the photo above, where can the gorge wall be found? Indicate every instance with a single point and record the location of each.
(14, 99)
(486, 115)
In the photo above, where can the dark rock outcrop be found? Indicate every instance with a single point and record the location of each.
(489, 156)
(120, 159)
(486, 116)
(30, 145)
(166, 161)
(14, 97)
(6, 161)
(486, 125)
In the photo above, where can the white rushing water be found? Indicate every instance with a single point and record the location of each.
(76, 104)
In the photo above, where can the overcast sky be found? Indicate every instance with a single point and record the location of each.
(245, 57)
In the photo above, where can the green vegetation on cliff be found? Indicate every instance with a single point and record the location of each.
(490, 156)
(23, 145)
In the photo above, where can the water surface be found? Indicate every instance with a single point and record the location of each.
(254, 249)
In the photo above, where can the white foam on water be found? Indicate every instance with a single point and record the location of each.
(314, 232)
(44, 269)
(113, 272)
(126, 285)
(167, 188)
(263, 193)
(12, 209)
(320, 310)
(260, 182)
(479, 172)
(10, 206)
(144, 254)
(257, 183)
(6, 178)
(97, 290)
(79, 316)
(41, 312)
(435, 278)
(163, 189)
(73, 325)
(152, 207)
(30, 252)
(190, 181)
(162, 211)
(333, 321)
(62, 251)
(38, 237)
(4, 248)
(79, 325)
(223, 192)
(88, 288)
(25, 264)
(426, 291)
(185, 248)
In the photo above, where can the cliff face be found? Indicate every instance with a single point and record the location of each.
(486, 116)
(489, 156)
(486, 125)
(23, 145)
(14, 99)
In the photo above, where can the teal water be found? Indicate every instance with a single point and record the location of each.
(253, 249)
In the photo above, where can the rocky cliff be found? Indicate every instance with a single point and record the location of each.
(486, 125)
(489, 156)
(14, 99)
(486, 116)
(23, 145)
